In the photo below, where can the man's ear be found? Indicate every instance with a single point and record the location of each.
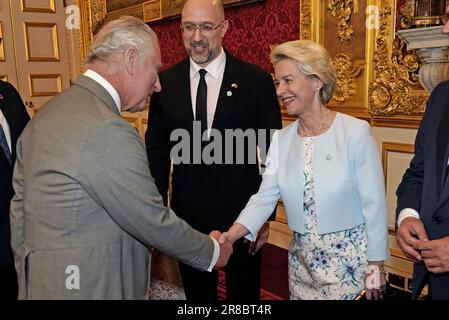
(131, 58)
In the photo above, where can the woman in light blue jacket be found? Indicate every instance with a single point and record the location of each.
(326, 168)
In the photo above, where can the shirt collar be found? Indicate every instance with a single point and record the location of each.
(105, 84)
(214, 68)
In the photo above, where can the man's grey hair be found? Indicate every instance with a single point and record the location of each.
(121, 34)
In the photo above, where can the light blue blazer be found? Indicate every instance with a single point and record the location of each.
(348, 183)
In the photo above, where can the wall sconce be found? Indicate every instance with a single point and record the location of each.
(428, 13)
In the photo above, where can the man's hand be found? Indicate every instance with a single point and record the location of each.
(435, 254)
(225, 249)
(410, 234)
(262, 238)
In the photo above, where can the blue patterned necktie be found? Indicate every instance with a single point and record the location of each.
(4, 145)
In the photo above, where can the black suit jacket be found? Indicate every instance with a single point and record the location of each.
(210, 196)
(423, 186)
(17, 117)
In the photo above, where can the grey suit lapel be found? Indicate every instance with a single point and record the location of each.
(96, 89)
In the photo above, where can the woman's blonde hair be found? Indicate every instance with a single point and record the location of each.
(312, 60)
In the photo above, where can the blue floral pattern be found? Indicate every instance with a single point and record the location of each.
(328, 266)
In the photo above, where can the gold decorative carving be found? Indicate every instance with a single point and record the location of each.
(306, 20)
(2, 49)
(406, 14)
(395, 76)
(92, 13)
(346, 73)
(343, 10)
(98, 13)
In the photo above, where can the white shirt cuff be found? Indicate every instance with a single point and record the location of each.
(216, 254)
(406, 213)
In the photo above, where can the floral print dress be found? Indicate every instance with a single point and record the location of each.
(327, 266)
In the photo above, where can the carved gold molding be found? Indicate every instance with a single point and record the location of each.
(305, 20)
(347, 72)
(343, 10)
(92, 15)
(394, 89)
(406, 14)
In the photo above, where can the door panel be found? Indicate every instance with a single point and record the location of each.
(7, 61)
(41, 49)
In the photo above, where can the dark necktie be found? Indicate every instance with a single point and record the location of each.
(201, 101)
(4, 145)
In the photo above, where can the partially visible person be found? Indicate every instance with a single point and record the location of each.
(220, 94)
(86, 209)
(327, 170)
(13, 119)
(423, 207)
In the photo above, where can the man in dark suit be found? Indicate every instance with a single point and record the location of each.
(423, 199)
(13, 118)
(221, 93)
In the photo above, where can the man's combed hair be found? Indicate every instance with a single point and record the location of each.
(312, 59)
(118, 35)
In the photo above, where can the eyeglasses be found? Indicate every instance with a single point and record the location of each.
(205, 28)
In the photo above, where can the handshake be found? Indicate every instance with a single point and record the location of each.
(237, 231)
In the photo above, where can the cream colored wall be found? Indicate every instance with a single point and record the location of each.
(396, 147)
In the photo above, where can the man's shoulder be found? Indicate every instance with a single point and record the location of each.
(441, 89)
(175, 70)
(7, 87)
(443, 84)
(248, 67)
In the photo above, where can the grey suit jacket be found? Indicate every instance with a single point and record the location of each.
(86, 208)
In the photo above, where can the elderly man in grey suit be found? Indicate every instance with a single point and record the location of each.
(86, 208)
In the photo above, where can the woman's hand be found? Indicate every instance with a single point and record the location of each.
(375, 280)
(262, 238)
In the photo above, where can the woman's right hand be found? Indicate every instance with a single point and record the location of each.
(235, 232)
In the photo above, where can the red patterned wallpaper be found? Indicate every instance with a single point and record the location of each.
(252, 28)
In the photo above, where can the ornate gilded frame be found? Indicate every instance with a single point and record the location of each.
(387, 76)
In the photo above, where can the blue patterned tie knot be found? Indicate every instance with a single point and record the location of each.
(4, 145)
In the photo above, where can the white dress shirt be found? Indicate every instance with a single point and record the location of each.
(214, 78)
(105, 84)
(6, 130)
(409, 212)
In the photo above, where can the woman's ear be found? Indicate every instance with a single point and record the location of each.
(317, 83)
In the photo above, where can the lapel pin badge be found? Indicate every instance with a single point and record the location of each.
(229, 93)
(234, 85)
